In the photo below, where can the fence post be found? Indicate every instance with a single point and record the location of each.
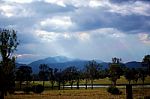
(129, 92)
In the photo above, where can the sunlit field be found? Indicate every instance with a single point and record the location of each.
(104, 81)
(82, 93)
(100, 93)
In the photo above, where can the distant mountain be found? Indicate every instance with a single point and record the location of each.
(105, 65)
(60, 62)
(56, 59)
(133, 64)
(19, 64)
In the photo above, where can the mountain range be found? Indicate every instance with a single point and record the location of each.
(61, 62)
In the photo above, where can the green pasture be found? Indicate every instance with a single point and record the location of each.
(122, 80)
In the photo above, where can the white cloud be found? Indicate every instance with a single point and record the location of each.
(128, 8)
(137, 7)
(108, 32)
(58, 2)
(57, 22)
(76, 3)
(7, 10)
(19, 1)
(25, 55)
(47, 36)
(14, 10)
(99, 3)
(84, 36)
(145, 38)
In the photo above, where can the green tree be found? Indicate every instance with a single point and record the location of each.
(129, 75)
(78, 75)
(8, 44)
(146, 63)
(135, 75)
(142, 74)
(103, 74)
(44, 72)
(59, 78)
(92, 70)
(70, 74)
(115, 70)
(52, 78)
(35, 77)
(23, 73)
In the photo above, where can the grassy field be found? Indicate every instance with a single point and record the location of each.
(82, 93)
(122, 80)
(100, 93)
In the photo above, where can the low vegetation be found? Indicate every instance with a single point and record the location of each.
(114, 90)
(99, 93)
(38, 88)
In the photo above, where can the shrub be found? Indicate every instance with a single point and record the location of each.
(27, 89)
(38, 88)
(11, 91)
(147, 97)
(114, 90)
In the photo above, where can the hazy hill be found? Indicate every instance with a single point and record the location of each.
(133, 64)
(61, 62)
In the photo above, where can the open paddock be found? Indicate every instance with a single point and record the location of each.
(98, 93)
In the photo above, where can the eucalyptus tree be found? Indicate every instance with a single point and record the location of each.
(135, 75)
(142, 74)
(8, 44)
(129, 75)
(103, 73)
(24, 73)
(59, 78)
(52, 77)
(71, 74)
(35, 77)
(86, 75)
(115, 70)
(44, 72)
(78, 78)
(146, 63)
(92, 70)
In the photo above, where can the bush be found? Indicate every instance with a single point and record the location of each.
(38, 88)
(11, 90)
(114, 90)
(27, 89)
(147, 97)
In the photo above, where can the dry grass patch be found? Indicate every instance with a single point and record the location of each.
(69, 94)
(100, 93)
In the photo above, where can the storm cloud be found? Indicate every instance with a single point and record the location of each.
(86, 29)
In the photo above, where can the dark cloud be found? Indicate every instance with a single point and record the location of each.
(93, 19)
(44, 8)
(78, 30)
(127, 1)
(132, 23)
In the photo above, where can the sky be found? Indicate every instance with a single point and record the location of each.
(85, 29)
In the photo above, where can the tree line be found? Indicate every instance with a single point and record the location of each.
(92, 71)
